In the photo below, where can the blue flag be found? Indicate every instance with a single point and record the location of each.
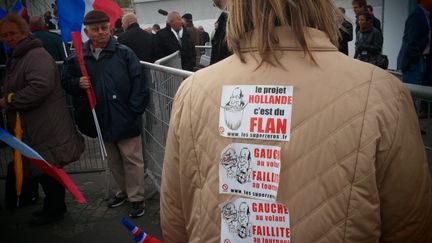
(19, 8)
(3, 13)
(71, 14)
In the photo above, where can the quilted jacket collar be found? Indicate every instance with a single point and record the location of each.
(316, 39)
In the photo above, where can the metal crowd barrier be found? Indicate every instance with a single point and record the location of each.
(165, 80)
(203, 54)
(419, 93)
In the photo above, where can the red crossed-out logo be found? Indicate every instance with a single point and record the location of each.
(225, 187)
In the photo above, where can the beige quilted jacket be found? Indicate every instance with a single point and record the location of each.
(354, 169)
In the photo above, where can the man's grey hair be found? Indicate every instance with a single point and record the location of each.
(171, 15)
(130, 18)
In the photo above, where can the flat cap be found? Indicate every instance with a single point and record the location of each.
(95, 17)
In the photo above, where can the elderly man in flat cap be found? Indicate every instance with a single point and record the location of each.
(121, 97)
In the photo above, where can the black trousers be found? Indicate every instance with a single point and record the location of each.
(54, 202)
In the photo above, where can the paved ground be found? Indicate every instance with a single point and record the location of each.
(92, 222)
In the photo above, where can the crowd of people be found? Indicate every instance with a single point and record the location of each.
(336, 154)
(112, 59)
(35, 104)
(369, 37)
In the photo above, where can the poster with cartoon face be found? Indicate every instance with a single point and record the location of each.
(250, 170)
(256, 112)
(249, 220)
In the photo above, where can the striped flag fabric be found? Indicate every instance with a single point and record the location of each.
(138, 233)
(19, 8)
(37, 160)
(71, 14)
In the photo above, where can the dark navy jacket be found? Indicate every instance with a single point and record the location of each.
(121, 92)
(140, 41)
(168, 44)
(415, 39)
(220, 48)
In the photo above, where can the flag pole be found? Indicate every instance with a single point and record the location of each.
(64, 49)
(104, 155)
(77, 42)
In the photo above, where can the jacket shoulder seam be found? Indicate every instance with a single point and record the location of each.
(357, 156)
(194, 148)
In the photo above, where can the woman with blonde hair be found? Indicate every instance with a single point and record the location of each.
(336, 152)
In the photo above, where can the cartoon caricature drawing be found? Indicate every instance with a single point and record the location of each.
(237, 167)
(229, 214)
(229, 162)
(243, 166)
(234, 109)
(244, 227)
(236, 99)
(238, 221)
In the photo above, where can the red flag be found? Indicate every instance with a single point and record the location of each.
(61, 176)
(71, 14)
(110, 8)
(77, 43)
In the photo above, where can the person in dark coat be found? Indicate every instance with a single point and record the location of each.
(2, 57)
(415, 54)
(205, 37)
(52, 42)
(414, 59)
(369, 40)
(360, 6)
(191, 29)
(155, 29)
(345, 30)
(139, 40)
(33, 94)
(376, 21)
(220, 49)
(122, 96)
(173, 38)
(48, 21)
(118, 28)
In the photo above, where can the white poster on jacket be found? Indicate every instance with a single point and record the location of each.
(248, 220)
(250, 170)
(256, 112)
